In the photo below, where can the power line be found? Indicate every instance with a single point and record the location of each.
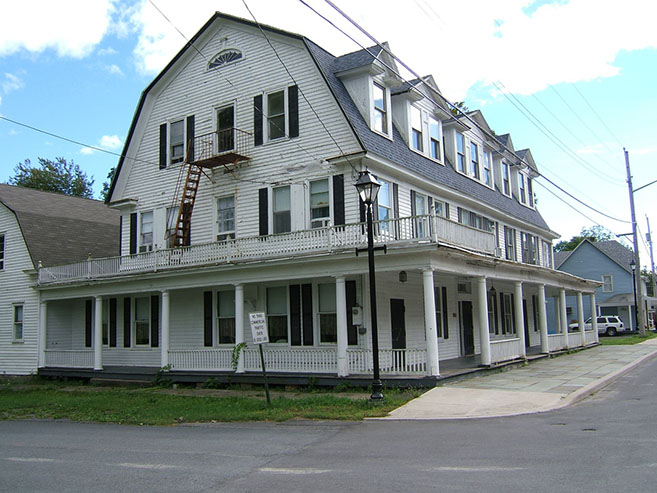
(597, 115)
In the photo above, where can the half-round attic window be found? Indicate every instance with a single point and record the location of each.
(224, 57)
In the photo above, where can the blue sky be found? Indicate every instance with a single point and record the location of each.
(583, 69)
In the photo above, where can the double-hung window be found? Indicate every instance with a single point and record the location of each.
(507, 314)
(460, 152)
(142, 321)
(522, 193)
(384, 206)
(510, 243)
(146, 232)
(17, 334)
(416, 129)
(607, 283)
(276, 115)
(2, 251)
(177, 141)
(530, 192)
(282, 213)
(420, 209)
(434, 139)
(474, 161)
(438, 301)
(277, 314)
(226, 317)
(488, 160)
(105, 322)
(505, 179)
(492, 312)
(380, 109)
(320, 213)
(327, 312)
(226, 218)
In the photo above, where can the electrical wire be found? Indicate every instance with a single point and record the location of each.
(597, 115)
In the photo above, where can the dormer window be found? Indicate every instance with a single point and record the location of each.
(460, 152)
(530, 192)
(380, 109)
(474, 160)
(416, 129)
(505, 179)
(434, 139)
(224, 57)
(488, 176)
(522, 193)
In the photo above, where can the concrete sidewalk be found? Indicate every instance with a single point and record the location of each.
(542, 385)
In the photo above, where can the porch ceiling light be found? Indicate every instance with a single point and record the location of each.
(368, 187)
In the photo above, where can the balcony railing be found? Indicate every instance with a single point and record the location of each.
(220, 148)
(414, 229)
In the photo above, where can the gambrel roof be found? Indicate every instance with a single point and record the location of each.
(58, 228)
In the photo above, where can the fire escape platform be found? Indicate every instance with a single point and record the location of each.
(226, 159)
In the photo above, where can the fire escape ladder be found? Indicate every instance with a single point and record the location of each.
(184, 221)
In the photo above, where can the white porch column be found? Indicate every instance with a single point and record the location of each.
(433, 368)
(580, 317)
(343, 338)
(43, 337)
(164, 344)
(98, 334)
(519, 315)
(594, 317)
(542, 320)
(239, 323)
(563, 316)
(482, 313)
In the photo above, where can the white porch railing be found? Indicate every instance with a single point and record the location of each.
(590, 337)
(391, 361)
(423, 228)
(298, 359)
(200, 359)
(70, 358)
(504, 350)
(574, 339)
(556, 342)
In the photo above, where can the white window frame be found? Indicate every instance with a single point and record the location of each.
(286, 313)
(273, 210)
(218, 317)
(607, 283)
(416, 131)
(145, 246)
(226, 234)
(267, 116)
(530, 193)
(512, 246)
(438, 142)
(475, 165)
(444, 208)
(319, 312)
(136, 321)
(170, 226)
(461, 165)
(506, 179)
(385, 186)
(522, 189)
(487, 165)
(384, 112)
(508, 324)
(170, 143)
(438, 302)
(18, 322)
(322, 221)
(215, 115)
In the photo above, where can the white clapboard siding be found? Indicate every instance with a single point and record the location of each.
(17, 358)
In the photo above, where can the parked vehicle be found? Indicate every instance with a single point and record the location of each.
(609, 325)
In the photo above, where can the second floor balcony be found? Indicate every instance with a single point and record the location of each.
(405, 231)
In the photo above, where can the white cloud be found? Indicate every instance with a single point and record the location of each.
(87, 151)
(11, 82)
(70, 27)
(106, 51)
(114, 69)
(110, 142)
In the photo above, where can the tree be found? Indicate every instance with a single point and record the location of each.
(594, 233)
(106, 185)
(59, 176)
(459, 105)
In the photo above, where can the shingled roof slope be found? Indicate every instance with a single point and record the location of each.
(60, 229)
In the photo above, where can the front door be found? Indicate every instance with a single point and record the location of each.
(467, 328)
(225, 125)
(398, 323)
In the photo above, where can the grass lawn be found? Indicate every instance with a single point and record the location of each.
(43, 399)
(626, 340)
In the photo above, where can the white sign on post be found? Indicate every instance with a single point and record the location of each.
(258, 322)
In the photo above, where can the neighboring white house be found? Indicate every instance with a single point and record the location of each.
(41, 228)
(263, 158)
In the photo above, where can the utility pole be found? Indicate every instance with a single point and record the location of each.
(652, 259)
(637, 279)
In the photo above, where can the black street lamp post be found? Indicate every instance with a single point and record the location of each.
(636, 308)
(368, 188)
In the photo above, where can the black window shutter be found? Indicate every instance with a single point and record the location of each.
(112, 322)
(307, 302)
(88, 320)
(395, 207)
(155, 320)
(513, 315)
(495, 312)
(133, 233)
(412, 202)
(429, 205)
(257, 120)
(338, 200)
(350, 295)
(207, 318)
(126, 322)
(293, 110)
(445, 315)
(190, 139)
(295, 315)
(163, 146)
(263, 211)
(503, 314)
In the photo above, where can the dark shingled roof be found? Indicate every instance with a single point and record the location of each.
(60, 229)
(561, 257)
(616, 251)
(356, 59)
(398, 152)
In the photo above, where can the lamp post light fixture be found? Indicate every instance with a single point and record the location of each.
(368, 189)
(636, 312)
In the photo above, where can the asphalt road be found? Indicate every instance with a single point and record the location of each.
(606, 443)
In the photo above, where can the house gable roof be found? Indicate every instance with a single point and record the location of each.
(58, 228)
(615, 251)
